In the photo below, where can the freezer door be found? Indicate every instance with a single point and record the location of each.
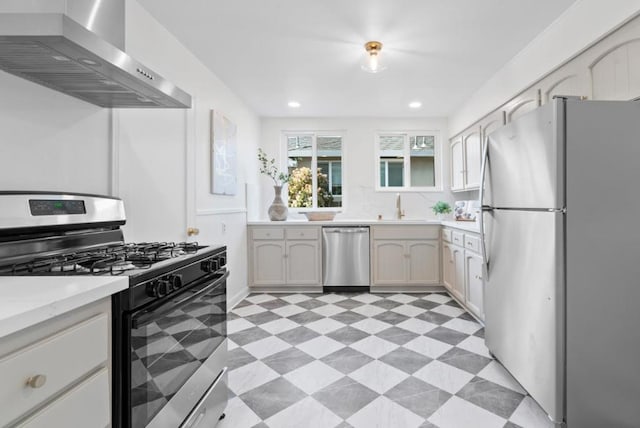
(525, 161)
(524, 301)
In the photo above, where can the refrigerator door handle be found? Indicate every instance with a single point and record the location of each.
(484, 208)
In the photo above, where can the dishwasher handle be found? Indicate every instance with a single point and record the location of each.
(346, 230)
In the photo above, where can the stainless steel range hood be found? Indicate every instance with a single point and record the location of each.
(80, 52)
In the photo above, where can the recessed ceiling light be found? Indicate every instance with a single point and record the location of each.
(415, 104)
(293, 104)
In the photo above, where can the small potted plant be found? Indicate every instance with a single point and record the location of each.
(440, 209)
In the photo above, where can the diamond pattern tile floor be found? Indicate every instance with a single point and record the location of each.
(367, 360)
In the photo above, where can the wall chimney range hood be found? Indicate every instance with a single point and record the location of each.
(80, 51)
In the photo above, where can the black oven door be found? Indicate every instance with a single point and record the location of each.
(170, 342)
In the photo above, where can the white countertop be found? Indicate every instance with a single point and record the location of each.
(468, 226)
(28, 300)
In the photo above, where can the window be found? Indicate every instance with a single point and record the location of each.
(408, 161)
(307, 152)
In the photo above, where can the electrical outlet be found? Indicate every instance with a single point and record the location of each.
(224, 228)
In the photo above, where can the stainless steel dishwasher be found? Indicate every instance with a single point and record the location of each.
(345, 257)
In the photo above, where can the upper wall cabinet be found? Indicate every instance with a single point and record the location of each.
(523, 103)
(466, 160)
(490, 123)
(572, 79)
(615, 75)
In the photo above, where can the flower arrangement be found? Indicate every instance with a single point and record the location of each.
(441, 207)
(268, 167)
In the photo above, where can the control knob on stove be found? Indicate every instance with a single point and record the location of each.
(158, 288)
(210, 265)
(175, 281)
(223, 260)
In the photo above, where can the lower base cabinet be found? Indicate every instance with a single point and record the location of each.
(56, 374)
(281, 257)
(462, 268)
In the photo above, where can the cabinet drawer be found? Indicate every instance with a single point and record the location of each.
(472, 242)
(302, 233)
(268, 233)
(457, 238)
(406, 232)
(86, 405)
(87, 344)
(446, 235)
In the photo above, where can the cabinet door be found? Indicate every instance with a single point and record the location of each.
(389, 262)
(457, 164)
(523, 103)
(616, 74)
(494, 121)
(424, 262)
(268, 263)
(303, 262)
(458, 272)
(473, 159)
(448, 269)
(475, 283)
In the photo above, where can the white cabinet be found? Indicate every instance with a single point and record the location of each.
(525, 102)
(405, 256)
(474, 296)
(457, 164)
(56, 373)
(287, 257)
(466, 160)
(462, 269)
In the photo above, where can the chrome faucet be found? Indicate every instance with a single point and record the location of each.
(399, 212)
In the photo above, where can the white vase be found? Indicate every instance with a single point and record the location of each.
(278, 210)
(441, 216)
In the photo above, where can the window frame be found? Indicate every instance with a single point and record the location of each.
(314, 166)
(406, 153)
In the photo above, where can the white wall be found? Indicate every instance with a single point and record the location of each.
(362, 201)
(580, 26)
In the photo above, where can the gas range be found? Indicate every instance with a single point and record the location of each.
(176, 296)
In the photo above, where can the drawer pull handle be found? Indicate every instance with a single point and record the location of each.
(37, 381)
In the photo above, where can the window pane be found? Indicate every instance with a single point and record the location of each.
(422, 161)
(396, 174)
(329, 171)
(391, 160)
(300, 155)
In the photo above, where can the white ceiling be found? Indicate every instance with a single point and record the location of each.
(437, 51)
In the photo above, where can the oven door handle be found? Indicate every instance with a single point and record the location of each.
(150, 315)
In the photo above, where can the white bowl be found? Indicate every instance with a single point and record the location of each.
(320, 215)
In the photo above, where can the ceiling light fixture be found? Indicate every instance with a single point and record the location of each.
(372, 62)
(293, 104)
(415, 104)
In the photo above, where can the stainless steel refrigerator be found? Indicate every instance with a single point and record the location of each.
(560, 216)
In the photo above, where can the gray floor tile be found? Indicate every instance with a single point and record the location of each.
(346, 360)
(239, 357)
(420, 397)
(488, 395)
(479, 333)
(305, 317)
(249, 335)
(272, 397)
(274, 304)
(345, 397)
(454, 304)
(311, 304)
(397, 335)
(467, 316)
(349, 304)
(511, 425)
(446, 335)
(288, 360)
(406, 360)
(465, 360)
(433, 317)
(386, 304)
(424, 304)
(263, 317)
(348, 317)
(298, 335)
(347, 335)
(391, 317)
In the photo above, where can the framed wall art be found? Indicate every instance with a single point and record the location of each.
(223, 155)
